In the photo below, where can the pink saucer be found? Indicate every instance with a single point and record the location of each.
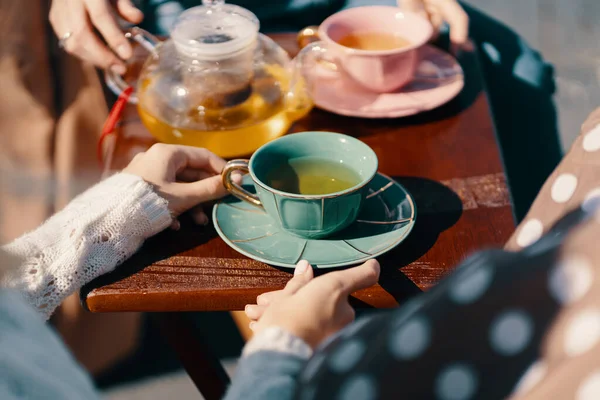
(439, 79)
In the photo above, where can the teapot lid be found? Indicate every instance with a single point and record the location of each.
(214, 31)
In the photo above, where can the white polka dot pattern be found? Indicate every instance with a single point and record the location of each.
(563, 188)
(530, 232)
(411, 339)
(570, 280)
(471, 285)
(591, 200)
(346, 356)
(582, 332)
(590, 387)
(511, 332)
(456, 382)
(534, 374)
(421, 332)
(358, 387)
(591, 141)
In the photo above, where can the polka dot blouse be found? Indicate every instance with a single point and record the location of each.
(523, 323)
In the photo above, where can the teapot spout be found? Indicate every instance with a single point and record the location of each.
(299, 99)
(312, 56)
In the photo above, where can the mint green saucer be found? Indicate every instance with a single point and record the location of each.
(386, 219)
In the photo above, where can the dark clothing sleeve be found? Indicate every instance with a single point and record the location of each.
(266, 375)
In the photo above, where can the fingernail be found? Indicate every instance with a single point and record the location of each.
(301, 267)
(124, 51)
(236, 177)
(118, 69)
(252, 324)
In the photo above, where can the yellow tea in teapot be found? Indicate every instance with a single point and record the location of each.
(217, 82)
(230, 125)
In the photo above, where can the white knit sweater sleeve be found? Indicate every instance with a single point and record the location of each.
(97, 231)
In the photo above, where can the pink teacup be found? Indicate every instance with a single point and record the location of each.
(381, 70)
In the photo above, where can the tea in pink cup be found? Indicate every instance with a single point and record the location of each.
(376, 46)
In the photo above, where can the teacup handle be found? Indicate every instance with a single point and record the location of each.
(234, 188)
(115, 81)
(309, 43)
(307, 36)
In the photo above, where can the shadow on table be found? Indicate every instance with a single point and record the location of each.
(159, 247)
(438, 208)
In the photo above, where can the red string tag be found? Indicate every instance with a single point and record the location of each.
(111, 122)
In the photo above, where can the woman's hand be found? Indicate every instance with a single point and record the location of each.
(440, 11)
(184, 176)
(81, 17)
(312, 309)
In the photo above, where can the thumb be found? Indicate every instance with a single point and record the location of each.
(357, 278)
(303, 273)
(202, 191)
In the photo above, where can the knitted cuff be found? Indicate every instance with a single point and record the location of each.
(153, 207)
(279, 340)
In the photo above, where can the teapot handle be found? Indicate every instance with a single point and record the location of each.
(115, 81)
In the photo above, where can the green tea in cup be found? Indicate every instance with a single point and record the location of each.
(311, 176)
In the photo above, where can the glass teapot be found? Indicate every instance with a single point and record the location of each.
(217, 82)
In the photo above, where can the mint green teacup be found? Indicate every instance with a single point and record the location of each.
(309, 216)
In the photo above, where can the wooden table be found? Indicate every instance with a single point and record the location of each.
(447, 158)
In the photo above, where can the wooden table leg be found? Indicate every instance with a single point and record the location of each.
(203, 367)
(243, 324)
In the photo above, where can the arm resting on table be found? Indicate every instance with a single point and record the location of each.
(97, 231)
